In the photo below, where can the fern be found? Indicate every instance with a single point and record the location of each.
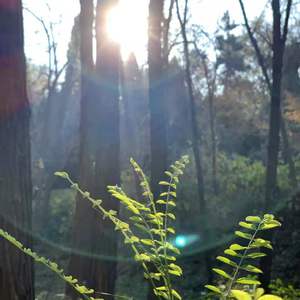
(237, 259)
(81, 289)
(147, 230)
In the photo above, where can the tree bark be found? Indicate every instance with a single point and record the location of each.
(16, 269)
(99, 153)
(157, 105)
(211, 87)
(158, 143)
(107, 169)
(84, 222)
(279, 41)
(261, 62)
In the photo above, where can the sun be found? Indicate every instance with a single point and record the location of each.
(127, 25)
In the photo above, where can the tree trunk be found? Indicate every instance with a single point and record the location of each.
(99, 153)
(275, 125)
(211, 87)
(158, 134)
(261, 62)
(107, 169)
(288, 154)
(16, 269)
(81, 261)
(196, 136)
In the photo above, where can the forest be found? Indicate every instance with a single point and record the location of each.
(149, 149)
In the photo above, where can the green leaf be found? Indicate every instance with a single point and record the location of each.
(213, 289)
(253, 219)
(62, 174)
(259, 242)
(133, 239)
(155, 276)
(268, 217)
(231, 253)
(240, 295)
(249, 281)
(176, 294)
(148, 242)
(251, 269)
(176, 268)
(270, 297)
(168, 257)
(175, 273)
(170, 203)
(172, 248)
(221, 273)
(171, 216)
(226, 260)
(270, 225)
(166, 183)
(243, 235)
(255, 255)
(237, 247)
(142, 257)
(247, 225)
(258, 293)
(171, 230)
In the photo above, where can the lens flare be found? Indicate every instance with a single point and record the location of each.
(127, 25)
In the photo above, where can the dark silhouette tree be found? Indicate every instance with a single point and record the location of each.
(16, 270)
(99, 151)
(107, 169)
(276, 121)
(158, 135)
(262, 63)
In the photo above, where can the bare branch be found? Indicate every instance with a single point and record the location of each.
(258, 52)
(286, 22)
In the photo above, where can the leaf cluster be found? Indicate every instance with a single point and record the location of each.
(148, 228)
(80, 288)
(240, 258)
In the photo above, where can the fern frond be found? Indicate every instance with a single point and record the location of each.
(238, 256)
(84, 291)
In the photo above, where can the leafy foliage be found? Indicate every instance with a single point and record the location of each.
(286, 291)
(238, 260)
(148, 228)
(80, 288)
(147, 231)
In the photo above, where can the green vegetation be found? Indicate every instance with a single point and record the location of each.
(240, 255)
(148, 231)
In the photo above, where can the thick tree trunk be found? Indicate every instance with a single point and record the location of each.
(81, 261)
(99, 153)
(16, 269)
(279, 40)
(107, 169)
(158, 134)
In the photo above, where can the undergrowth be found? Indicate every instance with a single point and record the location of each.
(147, 231)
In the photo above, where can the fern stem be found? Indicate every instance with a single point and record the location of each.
(234, 277)
(115, 222)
